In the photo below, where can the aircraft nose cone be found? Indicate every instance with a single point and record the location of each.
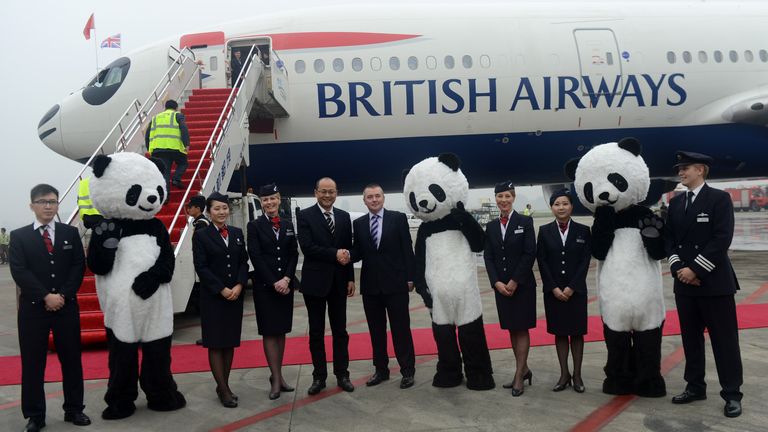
(49, 129)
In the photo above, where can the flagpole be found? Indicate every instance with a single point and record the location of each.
(96, 49)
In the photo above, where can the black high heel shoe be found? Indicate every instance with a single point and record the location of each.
(226, 399)
(283, 387)
(562, 386)
(528, 376)
(578, 388)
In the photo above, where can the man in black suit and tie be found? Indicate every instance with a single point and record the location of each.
(325, 237)
(382, 240)
(699, 233)
(47, 264)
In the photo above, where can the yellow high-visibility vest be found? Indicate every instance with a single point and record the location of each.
(164, 133)
(84, 203)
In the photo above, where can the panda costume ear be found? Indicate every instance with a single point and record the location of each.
(160, 165)
(451, 160)
(631, 145)
(405, 174)
(570, 168)
(100, 163)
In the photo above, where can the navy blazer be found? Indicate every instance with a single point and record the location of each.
(388, 268)
(510, 258)
(217, 264)
(700, 239)
(319, 246)
(566, 265)
(38, 273)
(272, 258)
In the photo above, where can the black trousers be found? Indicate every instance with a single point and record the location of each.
(377, 307)
(169, 157)
(155, 378)
(718, 315)
(34, 324)
(336, 301)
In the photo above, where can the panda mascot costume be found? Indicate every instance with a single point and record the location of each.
(446, 275)
(131, 255)
(611, 180)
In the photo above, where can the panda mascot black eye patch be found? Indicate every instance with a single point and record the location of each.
(133, 194)
(412, 200)
(161, 193)
(619, 181)
(588, 194)
(438, 192)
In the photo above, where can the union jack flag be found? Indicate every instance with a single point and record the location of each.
(113, 41)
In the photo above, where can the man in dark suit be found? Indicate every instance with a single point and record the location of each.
(382, 240)
(699, 232)
(325, 237)
(47, 264)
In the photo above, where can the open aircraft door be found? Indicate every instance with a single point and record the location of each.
(210, 52)
(599, 57)
(272, 93)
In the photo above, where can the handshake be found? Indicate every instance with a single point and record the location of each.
(342, 256)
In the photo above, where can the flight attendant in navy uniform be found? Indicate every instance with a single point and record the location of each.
(510, 249)
(221, 261)
(699, 232)
(563, 253)
(274, 253)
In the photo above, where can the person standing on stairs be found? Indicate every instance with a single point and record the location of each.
(47, 263)
(167, 138)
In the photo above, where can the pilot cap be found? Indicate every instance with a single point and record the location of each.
(684, 158)
(504, 186)
(197, 201)
(269, 189)
(560, 193)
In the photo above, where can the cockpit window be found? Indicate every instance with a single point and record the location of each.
(105, 84)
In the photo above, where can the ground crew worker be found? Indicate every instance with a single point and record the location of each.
(88, 213)
(167, 138)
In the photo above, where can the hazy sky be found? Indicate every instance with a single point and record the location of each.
(45, 57)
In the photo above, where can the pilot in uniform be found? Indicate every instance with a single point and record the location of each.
(699, 232)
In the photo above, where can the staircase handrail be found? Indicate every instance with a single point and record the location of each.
(133, 125)
(213, 145)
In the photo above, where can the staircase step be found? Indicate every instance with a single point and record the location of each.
(88, 286)
(222, 98)
(201, 124)
(204, 104)
(202, 111)
(92, 320)
(88, 302)
(211, 91)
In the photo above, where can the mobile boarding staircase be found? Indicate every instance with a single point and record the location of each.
(218, 120)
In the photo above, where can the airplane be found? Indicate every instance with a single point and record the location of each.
(515, 90)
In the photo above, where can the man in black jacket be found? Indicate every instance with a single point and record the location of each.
(325, 237)
(382, 240)
(47, 264)
(699, 233)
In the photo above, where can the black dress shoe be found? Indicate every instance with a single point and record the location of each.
(528, 376)
(687, 397)
(34, 425)
(273, 396)
(283, 387)
(77, 418)
(345, 384)
(732, 408)
(316, 386)
(377, 378)
(578, 388)
(226, 399)
(406, 382)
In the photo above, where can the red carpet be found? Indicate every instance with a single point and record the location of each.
(192, 358)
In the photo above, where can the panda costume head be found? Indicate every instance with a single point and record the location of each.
(127, 186)
(612, 174)
(434, 186)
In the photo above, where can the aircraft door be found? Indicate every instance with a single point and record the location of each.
(599, 58)
(209, 50)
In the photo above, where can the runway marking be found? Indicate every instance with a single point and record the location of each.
(290, 406)
(602, 416)
(14, 404)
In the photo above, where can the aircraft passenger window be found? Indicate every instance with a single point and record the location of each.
(449, 62)
(376, 63)
(357, 64)
(213, 63)
(319, 66)
(687, 56)
(413, 63)
(733, 55)
(763, 56)
(394, 63)
(671, 58)
(431, 62)
(748, 56)
(466, 61)
(702, 56)
(718, 56)
(104, 85)
(338, 64)
(485, 61)
(300, 66)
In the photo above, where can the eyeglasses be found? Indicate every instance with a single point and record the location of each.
(326, 191)
(43, 202)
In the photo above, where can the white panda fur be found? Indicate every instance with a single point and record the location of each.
(130, 317)
(451, 267)
(629, 282)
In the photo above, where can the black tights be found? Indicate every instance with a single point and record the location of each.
(274, 349)
(220, 360)
(577, 348)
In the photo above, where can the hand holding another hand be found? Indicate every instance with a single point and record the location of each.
(342, 256)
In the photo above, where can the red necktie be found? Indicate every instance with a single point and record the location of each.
(47, 239)
(504, 220)
(276, 223)
(563, 226)
(224, 232)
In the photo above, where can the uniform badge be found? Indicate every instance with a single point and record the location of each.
(702, 217)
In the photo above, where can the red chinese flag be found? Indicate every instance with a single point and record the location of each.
(90, 25)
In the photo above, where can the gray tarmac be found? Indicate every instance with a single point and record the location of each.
(425, 408)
